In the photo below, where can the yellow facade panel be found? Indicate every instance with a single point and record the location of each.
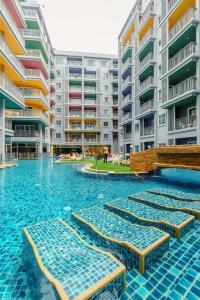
(147, 25)
(180, 11)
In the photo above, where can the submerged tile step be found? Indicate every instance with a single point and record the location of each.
(137, 246)
(175, 223)
(67, 267)
(175, 194)
(166, 203)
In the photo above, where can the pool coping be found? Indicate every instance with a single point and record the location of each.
(87, 168)
(90, 291)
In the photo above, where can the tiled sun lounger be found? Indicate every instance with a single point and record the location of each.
(179, 195)
(165, 203)
(70, 267)
(175, 223)
(137, 246)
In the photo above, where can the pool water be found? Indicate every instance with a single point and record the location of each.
(39, 190)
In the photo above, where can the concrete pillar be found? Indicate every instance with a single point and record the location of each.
(2, 131)
(40, 148)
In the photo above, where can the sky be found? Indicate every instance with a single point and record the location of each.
(86, 25)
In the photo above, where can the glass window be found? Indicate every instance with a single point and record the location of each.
(105, 75)
(58, 85)
(58, 109)
(58, 135)
(105, 111)
(105, 100)
(58, 97)
(106, 87)
(58, 122)
(162, 119)
(105, 124)
(105, 136)
(137, 127)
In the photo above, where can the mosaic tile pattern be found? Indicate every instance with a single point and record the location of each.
(76, 266)
(113, 227)
(125, 208)
(175, 194)
(166, 203)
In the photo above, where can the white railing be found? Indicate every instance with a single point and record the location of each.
(146, 83)
(127, 63)
(90, 102)
(90, 89)
(126, 100)
(77, 139)
(75, 114)
(127, 116)
(11, 56)
(88, 114)
(115, 78)
(182, 55)
(8, 123)
(27, 113)
(148, 130)
(74, 63)
(125, 48)
(26, 133)
(74, 127)
(115, 91)
(128, 80)
(90, 76)
(75, 88)
(11, 88)
(115, 115)
(90, 127)
(171, 3)
(115, 102)
(181, 23)
(30, 13)
(36, 53)
(149, 33)
(146, 60)
(75, 76)
(75, 101)
(12, 24)
(35, 33)
(148, 10)
(127, 136)
(31, 73)
(182, 87)
(148, 105)
(34, 93)
(186, 122)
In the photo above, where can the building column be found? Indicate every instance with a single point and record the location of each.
(2, 131)
(40, 148)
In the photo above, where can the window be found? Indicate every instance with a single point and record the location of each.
(58, 85)
(58, 135)
(105, 124)
(106, 87)
(105, 136)
(58, 97)
(58, 122)
(105, 75)
(58, 109)
(104, 63)
(58, 72)
(160, 95)
(162, 119)
(105, 111)
(105, 100)
(137, 127)
(91, 62)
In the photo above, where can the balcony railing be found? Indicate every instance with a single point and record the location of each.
(77, 139)
(12, 24)
(35, 53)
(75, 101)
(150, 33)
(89, 89)
(127, 63)
(90, 102)
(75, 114)
(10, 88)
(115, 91)
(75, 127)
(128, 80)
(171, 4)
(30, 13)
(186, 122)
(148, 10)
(26, 133)
(180, 56)
(182, 87)
(115, 126)
(90, 127)
(149, 130)
(34, 93)
(115, 103)
(8, 123)
(127, 136)
(115, 78)
(125, 48)
(32, 113)
(125, 100)
(148, 105)
(146, 83)
(182, 22)
(90, 115)
(115, 115)
(90, 76)
(30, 73)
(34, 33)
(75, 88)
(74, 63)
(11, 56)
(146, 60)
(127, 116)
(75, 76)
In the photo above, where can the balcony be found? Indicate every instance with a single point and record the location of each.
(75, 76)
(147, 83)
(90, 102)
(115, 78)
(182, 55)
(126, 82)
(146, 60)
(115, 127)
(127, 64)
(75, 139)
(74, 127)
(125, 48)
(147, 131)
(75, 114)
(115, 91)
(148, 11)
(8, 124)
(36, 34)
(126, 117)
(186, 122)
(88, 89)
(75, 102)
(28, 114)
(35, 94)
(147, 106)
(90, 127)
(90, 76)
(74, 63)
(37, 75)
(88, 114)
(149, 34)
(35, 55)
(183, 87)
(115, 115)
(30, 13)
(11, 92)
(126, 100)
(91, 140)
(11, 57)
(75, 88)
(182, 22)
(171, 4)
(127, 136)
(27, 133)
(11, 23)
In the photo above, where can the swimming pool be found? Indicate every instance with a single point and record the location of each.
(40, 190)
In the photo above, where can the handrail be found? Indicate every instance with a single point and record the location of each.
(10, 87)
(182, 54)
(182, 87)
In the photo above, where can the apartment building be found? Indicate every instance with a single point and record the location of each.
(159, 84)
(27, 77)
(86, 102)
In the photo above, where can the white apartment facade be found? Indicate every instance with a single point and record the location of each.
(86, 102)
(159, 67)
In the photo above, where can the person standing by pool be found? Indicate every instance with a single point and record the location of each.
(105, 155)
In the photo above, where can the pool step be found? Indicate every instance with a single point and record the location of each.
(175, 223)
(67, 267)
(165, 203)
(175, 194)
(136, 246)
